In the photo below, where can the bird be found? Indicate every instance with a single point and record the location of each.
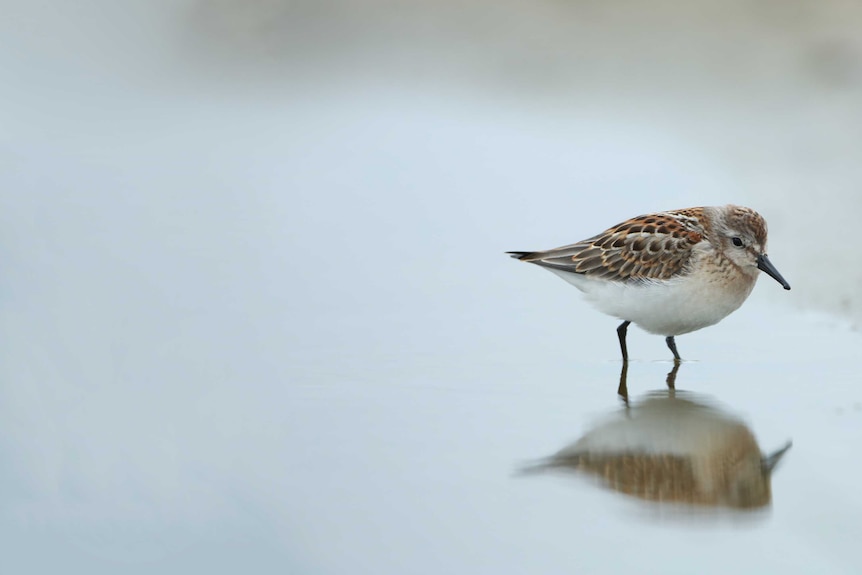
(670, 273)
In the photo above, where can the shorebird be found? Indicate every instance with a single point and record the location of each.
(669, 273)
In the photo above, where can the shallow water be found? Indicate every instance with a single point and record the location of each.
(421, 474)
(408, 458)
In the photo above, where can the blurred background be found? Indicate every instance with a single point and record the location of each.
(236, 235)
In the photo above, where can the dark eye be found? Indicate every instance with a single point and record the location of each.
(737, 242)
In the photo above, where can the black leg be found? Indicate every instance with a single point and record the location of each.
(672, 345)
(621, 332)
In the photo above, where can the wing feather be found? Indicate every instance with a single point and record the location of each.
(649, 247)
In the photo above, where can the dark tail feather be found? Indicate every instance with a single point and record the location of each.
(520, 255)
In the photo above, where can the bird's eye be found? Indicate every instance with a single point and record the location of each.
(737, 242)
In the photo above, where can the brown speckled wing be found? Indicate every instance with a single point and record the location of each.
(650, 247)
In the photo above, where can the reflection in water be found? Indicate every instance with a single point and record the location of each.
(673, 447)
(623, 388)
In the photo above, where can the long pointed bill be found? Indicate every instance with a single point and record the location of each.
(764, 265)
(770, 462)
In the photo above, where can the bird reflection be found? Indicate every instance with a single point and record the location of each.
(674, 447)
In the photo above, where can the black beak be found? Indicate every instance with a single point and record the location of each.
(770, 462)
(764, 265)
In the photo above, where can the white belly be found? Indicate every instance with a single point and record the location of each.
(667, 308)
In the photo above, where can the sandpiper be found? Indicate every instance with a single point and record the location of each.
(669, 273)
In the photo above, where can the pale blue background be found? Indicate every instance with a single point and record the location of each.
(256, 315)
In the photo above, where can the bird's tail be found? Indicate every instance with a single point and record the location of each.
(521, 255)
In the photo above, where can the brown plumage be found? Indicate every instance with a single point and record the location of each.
(654, 246)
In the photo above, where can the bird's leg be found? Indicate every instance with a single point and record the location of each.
(621, 333)
(672, 345)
